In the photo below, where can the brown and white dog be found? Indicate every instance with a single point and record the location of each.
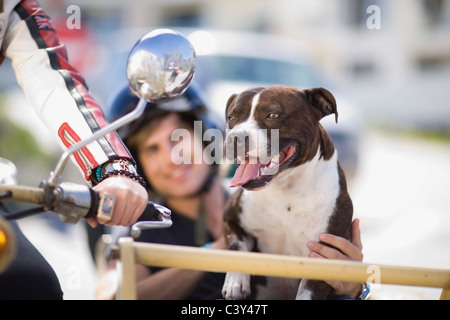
(286, 198)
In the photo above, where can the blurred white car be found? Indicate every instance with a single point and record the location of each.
(229, 62)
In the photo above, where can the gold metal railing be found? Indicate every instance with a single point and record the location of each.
(159, 255)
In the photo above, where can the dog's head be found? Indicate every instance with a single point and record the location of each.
(271, 129)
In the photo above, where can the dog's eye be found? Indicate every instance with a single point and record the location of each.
(273, 116)
(230, 118)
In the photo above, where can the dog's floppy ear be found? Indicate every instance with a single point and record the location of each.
(323, 102)
(230, 100)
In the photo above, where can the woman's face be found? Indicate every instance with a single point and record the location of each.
(156, 158)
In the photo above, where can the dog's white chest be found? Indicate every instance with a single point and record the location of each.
(293, 210)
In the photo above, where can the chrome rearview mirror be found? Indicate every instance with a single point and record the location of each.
(160, 67)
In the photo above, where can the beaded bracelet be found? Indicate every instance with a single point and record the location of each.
(98, 173)
(126, 173)
(118, 167)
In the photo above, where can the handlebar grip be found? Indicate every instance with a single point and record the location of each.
(93, 209)
(152, 212)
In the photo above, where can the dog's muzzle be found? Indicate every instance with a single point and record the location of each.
(237, 144)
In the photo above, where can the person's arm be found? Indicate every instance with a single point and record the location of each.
(349, 250)
(59, 95)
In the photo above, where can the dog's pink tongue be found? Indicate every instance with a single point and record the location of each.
(244, 173)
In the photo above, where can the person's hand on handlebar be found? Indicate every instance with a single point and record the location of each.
(130, 200)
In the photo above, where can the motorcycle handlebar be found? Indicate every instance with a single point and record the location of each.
(75, 201)
(103, 206)
(153, 212)
(91, 205)
(72, 202)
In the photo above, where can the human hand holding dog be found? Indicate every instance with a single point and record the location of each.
(349, 250)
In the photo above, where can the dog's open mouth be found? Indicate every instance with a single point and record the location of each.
(253, 173)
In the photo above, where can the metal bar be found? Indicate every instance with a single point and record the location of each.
(127, 274)
(445, 294)
(21, 193)
(287, 266)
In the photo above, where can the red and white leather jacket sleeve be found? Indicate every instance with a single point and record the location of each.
(52, 86)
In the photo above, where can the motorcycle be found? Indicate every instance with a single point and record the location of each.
(161, 66)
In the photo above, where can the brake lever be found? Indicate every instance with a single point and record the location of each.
(161, 219)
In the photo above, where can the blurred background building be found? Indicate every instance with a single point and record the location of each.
(394, 62)
(389, 59)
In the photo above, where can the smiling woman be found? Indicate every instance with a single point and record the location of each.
(157, 151)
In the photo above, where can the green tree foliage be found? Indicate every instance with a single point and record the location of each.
(19, 146)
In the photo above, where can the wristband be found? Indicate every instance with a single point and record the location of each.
(365, 293)
(118, 167)
(207, 245)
